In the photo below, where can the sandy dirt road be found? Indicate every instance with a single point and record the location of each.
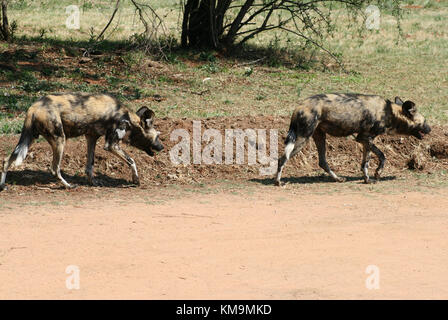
(271, 244)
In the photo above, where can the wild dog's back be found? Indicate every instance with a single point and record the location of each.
(340, 114)
(77, 112)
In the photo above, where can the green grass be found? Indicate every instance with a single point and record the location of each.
(414, 68)
(10, 126)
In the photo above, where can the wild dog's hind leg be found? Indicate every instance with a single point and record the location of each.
(7, 162)
(320, 140)
(291, 149)
(18, 155)
(381, 158)
(116, 150)
(91, 144)
(58, 144)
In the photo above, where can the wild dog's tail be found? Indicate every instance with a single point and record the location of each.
(290, 138)
(292, 135)
(26, 138)
(20, 151)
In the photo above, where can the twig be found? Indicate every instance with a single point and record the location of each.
(317, 45)
(250, 62)
(117, 4)
(199, 93)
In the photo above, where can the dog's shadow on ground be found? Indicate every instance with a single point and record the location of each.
(31, 178)
(316, 179)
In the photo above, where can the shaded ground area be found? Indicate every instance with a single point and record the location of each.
(269, 244)
(344, 155)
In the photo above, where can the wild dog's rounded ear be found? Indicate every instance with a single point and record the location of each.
(409, 108)
(146, 115)
(398, 101)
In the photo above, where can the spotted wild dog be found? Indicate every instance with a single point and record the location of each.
(58, 117)
(341, 115)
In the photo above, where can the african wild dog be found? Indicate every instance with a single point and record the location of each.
(341, 115)
(60, 116)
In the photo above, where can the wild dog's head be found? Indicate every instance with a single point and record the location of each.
(143, 135)
(411, 122)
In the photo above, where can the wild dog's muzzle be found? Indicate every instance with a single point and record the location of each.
(419, 133)
(157, 146)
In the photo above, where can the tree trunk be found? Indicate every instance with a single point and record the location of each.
(236, 24)
(4, 28)
(202, 24)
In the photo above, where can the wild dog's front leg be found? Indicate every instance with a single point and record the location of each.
(91, 143)
(381, 158)
(116, 150)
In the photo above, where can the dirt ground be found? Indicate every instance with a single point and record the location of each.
(268, 244)
(224, 232)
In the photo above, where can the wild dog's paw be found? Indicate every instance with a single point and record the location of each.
(369, 181)
(136, 181)
(278, 183)
(377, 176)
(95, 182)
(71, 186)
(3, 187)
(339, 179)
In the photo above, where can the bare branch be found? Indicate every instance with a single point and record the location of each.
(117, 4)
(236, 23)
(316, 44)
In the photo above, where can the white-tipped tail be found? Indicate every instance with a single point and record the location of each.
(288, 149)
(21, 151)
